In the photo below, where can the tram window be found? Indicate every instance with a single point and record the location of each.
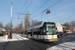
(41, 31)
(37, 23)
(37, 31)
(44, 30)
(51, 30)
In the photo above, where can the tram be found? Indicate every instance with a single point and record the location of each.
(45, 31)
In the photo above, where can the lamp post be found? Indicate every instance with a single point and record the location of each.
(48, 11)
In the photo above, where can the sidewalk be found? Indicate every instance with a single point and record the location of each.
(14, 38)
(63, 46)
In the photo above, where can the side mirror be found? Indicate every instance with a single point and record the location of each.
(46, 31)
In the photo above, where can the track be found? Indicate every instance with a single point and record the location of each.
(5, 45)
(42, 45)
(30, 44)
(24, 43)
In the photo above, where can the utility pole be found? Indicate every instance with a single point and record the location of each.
(24, 27)
(11, 22)
(23, 22)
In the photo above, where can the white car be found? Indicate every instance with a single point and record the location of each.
(68, 31)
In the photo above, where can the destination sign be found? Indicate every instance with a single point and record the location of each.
(50, 24)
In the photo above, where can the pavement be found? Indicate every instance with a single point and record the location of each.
(65, 43)
(63, 46)
(21, 43)
(5, 39)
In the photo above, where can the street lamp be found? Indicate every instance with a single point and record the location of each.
(48, 12)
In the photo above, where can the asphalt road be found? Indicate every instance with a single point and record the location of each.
(67, 38)
(30, 44)
(25, 45)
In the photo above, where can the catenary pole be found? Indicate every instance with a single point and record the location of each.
(23, 21)
(11, 22)
(24, 27)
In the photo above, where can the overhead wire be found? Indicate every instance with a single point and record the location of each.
(22, 9)
(40, 6)
(24, 5)
(28, 5)
(47, 8)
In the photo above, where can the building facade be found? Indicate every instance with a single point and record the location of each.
(59, 27)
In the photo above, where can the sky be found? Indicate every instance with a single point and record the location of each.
(63, 11)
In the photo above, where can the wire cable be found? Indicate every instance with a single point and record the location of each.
(28, 5)
(54, 4)
(40, 6)
(24, 5)
(47, 8)
(22, 9)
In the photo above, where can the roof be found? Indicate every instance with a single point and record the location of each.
(2, 29)
(37, 25)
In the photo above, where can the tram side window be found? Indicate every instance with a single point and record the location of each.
(44, 31)
(37, 31)
(41, 31)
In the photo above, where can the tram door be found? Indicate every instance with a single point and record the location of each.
(43, 32)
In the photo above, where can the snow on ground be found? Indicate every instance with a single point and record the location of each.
(15, 37)
(63, 46)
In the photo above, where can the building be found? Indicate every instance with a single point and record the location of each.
(59, 27)
(70, 28)
(73, 30)
(62, 28)
(2, 29)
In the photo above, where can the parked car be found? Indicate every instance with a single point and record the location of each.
(72, 34)
(1, 34)
(59, 34)
(68, 31)
(65, 34)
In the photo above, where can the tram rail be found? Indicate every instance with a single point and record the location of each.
(29, 43)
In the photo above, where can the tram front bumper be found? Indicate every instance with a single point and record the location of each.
(50, 40)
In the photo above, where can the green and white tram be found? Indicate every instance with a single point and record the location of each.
(45, 31)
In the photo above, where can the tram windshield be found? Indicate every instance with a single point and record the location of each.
(51, 29)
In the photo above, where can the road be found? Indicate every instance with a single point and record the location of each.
(21, 43)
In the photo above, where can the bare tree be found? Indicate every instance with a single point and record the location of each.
(1, 25)
(8, 26)
(72, 23)
(20, 26)
(67, 26)
(34, 21)
(27, 23)
(15, 29)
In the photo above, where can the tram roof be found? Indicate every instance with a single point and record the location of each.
(37, 25)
